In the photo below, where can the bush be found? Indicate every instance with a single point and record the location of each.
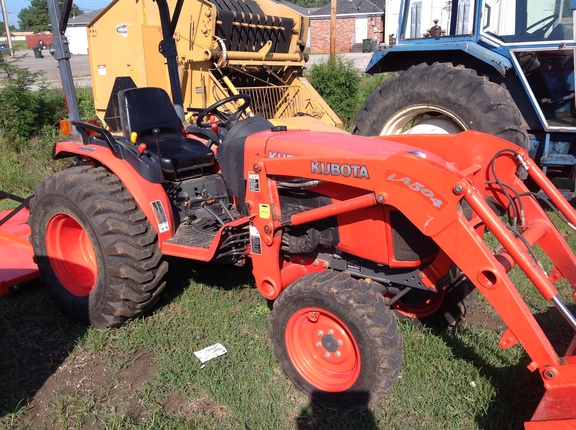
(19, 113)
(29, 120)
(85, 103)
(337, 81)
(343, 87)
(26, 167)
(51, 107)
(27, 105)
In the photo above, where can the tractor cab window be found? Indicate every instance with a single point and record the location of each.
(550, 76)
(516, 21)
(433, 18)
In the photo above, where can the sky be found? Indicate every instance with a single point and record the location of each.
(15, 6)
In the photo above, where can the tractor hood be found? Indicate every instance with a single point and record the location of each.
(335, 145)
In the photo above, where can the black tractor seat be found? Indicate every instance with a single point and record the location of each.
(145, 109)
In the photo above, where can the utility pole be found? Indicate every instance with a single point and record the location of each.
(333, 30)
(5, 13)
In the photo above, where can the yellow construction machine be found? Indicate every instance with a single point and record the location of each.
(224, 47)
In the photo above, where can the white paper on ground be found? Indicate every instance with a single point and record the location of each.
(210, 352)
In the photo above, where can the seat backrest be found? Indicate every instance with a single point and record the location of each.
(562, 32)
(146, 108)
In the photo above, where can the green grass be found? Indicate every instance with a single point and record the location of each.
(145, 375)
(20, 45)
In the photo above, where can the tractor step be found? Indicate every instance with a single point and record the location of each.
(17, 262)
(199, 234)
(556, 411)
(559, 160)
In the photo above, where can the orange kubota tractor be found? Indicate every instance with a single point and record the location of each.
(341, 231)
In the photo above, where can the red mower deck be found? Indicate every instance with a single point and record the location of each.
(16, 261)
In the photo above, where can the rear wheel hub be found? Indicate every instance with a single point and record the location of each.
(71, 254)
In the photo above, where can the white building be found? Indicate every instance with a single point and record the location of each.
(76, 32)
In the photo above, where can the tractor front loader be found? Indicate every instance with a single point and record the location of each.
(343, 232)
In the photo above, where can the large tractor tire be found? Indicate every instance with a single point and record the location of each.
(97, 253)
(336, 340)
(442, 99)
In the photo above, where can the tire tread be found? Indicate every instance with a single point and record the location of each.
(134, 264)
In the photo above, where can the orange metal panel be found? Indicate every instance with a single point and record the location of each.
(151, 197)
(17, 264)
(556, 411)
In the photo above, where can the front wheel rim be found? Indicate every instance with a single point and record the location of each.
(323, 350)
(429, 120)
(71, 255)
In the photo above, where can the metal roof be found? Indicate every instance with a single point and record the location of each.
(351, 8)
(84, 19)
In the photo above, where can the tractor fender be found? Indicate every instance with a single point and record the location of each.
(149, 196)
(401, 57)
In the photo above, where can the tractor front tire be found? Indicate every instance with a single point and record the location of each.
(441, 98)
(446, 308)
(336, 340)
(97, 253)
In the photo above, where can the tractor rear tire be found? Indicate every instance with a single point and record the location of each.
(441, 98)
(97, 253)
(336, 340)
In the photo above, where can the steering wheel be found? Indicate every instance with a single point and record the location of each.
(538, 34)
(228, 120)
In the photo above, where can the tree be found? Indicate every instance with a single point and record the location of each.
(36, 17)
(3, 28)
(310, 3)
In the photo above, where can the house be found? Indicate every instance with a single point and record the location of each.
(357, 22)
(302, 11)
(76, 32)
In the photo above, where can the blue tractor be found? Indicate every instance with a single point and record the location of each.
(505, 67)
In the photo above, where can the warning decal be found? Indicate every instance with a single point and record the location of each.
(255, 240)
(160, 214)
(254, 182)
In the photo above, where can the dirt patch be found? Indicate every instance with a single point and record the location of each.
(34, 344)
(190, 408)
(85, 386)
(87, 391)
(484, 319)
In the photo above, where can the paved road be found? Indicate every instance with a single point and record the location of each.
(81, 66)
(49, 67)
